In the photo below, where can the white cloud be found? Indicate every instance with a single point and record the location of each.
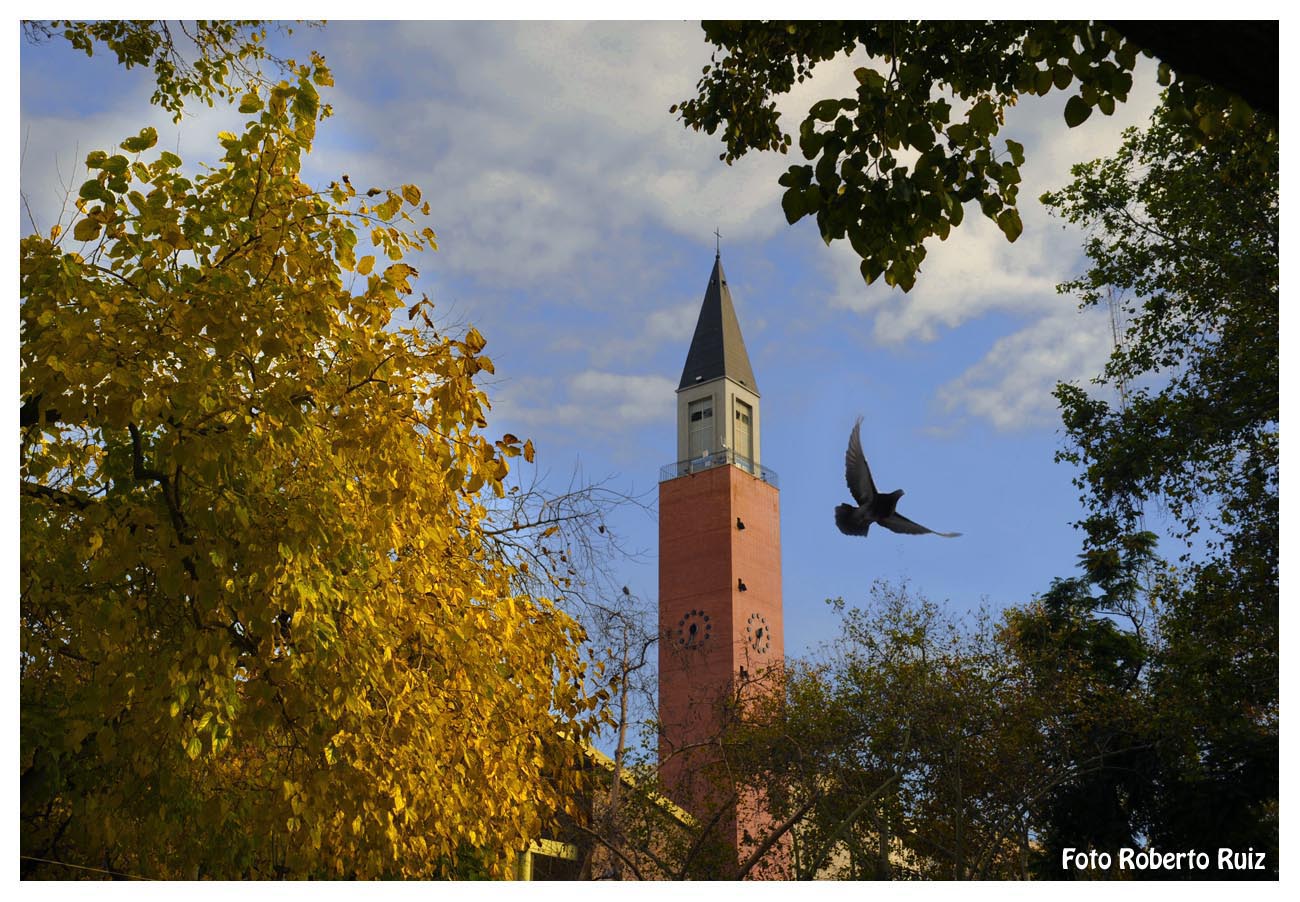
(668, 325)
(1011, 386)
(675, 323)
(545, 148)
(975, 272)
(589, 402)
(627, 399)
(520, 196)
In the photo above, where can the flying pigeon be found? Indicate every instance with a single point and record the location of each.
(873, 506)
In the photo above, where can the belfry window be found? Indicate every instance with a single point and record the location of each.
(700, 417)
(744, 433)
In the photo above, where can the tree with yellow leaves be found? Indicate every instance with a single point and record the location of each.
(262, 630)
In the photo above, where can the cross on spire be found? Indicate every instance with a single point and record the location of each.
(718, 247)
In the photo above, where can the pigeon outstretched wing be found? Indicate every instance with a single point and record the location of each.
(898, 523)
(856, 472)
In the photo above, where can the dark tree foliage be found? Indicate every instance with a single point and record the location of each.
(1240, 56)
(1088, 636)
(935, 749)
(1215, 692)
(895, 164)
(1183, 239)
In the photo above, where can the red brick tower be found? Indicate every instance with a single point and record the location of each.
(719, 576)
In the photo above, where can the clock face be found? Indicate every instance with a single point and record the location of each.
(758, 634)
(693, 629)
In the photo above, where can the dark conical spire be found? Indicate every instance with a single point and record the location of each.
(718, 349)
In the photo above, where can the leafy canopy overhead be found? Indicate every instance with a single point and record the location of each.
(263, 632)
(223, 54)
(896, 163)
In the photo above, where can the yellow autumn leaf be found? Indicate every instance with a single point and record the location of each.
(86, 230)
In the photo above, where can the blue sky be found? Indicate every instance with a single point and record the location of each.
(575, 219)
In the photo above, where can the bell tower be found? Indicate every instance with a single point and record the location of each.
(720, 629)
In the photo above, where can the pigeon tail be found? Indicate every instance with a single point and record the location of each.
(845, 520)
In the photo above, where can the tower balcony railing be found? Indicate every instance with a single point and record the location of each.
(718, 459)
